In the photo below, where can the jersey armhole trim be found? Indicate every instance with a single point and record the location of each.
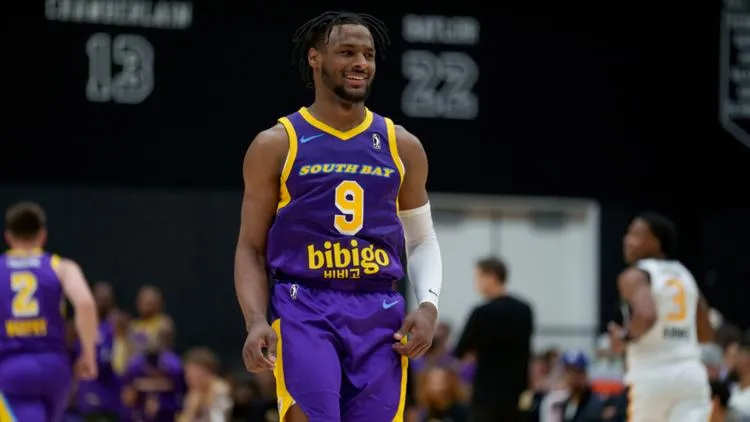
(393, 147)
(54, 261)
(284, 196)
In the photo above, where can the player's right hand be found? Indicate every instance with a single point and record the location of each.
(86, 367)
(259, 351)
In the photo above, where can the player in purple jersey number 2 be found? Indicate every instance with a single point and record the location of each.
(324, 312)
(35, 372)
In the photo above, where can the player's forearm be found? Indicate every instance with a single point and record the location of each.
(251, 283)
(423, 254)
(86, 322)
(644, 317)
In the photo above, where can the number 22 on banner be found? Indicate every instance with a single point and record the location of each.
(679, 301)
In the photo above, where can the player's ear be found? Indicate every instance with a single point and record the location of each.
(313, 58)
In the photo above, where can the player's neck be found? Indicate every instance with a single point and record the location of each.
(498, 292)
(337, 113)
(25, 247)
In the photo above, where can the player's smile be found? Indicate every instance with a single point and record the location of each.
(356, 79)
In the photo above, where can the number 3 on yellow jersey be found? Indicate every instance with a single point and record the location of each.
(24, 284)
(350, 200)
(679, 300)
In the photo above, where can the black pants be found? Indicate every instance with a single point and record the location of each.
(508, 413)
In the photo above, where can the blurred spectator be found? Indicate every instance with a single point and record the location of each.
(99, 399)
(151, 317)
(122, 349)
(254, 397)
(104, 295)
(607, 371)
(740, 398)
(713, 359)
(498, 333)
(582, 403)
(441, 398)
(538, 373)
(728, 337)
(440, 355)
(208, 397)
(720, 401)
(154, 382)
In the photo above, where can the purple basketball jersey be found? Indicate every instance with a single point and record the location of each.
(31, 304)
(337, 217)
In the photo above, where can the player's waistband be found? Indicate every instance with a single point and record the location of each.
(345, 285)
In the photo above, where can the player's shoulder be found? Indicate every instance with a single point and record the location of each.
(272, 135)
(633, 275)
(268, 143)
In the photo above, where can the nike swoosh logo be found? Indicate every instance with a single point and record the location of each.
(306, 139)
(433, 292)
(387, 305)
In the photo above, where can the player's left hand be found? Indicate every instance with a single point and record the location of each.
(616, 334)
(418, 329)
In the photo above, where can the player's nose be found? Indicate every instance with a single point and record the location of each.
(360, 61)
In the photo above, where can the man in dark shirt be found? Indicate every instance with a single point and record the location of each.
(498, 333)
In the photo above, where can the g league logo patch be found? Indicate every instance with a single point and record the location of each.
(376, 144)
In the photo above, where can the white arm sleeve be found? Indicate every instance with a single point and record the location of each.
(425, 267)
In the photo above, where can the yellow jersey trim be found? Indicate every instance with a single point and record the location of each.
(343, 135)
(284, 397)
(402, 399)
(393, 146)
(54, 261)
(284, 196)
(6, 413)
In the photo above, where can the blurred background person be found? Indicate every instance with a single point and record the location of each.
(713, 359)
(441, 396)
(728, 337)
(99, 399)
(122, 346)
(606, 372)
(740, 391)
(153, 384)
(106, 302)
(151, 317)
(35, 367)
(498, 333)
(582, 403)
(720, 411)
(248, 402)
(208, 397)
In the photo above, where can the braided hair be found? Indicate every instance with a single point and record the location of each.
(318, 29)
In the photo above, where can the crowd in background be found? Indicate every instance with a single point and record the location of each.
(141, 377)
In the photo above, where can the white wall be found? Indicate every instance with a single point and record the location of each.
(552, 266)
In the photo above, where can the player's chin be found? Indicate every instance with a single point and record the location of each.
(356, 94)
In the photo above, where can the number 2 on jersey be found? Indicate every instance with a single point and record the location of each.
(24, 284)
(350, 200)
(679, 301)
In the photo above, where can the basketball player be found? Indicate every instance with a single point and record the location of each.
(333, 195)
(35, 372)
(665, 321)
